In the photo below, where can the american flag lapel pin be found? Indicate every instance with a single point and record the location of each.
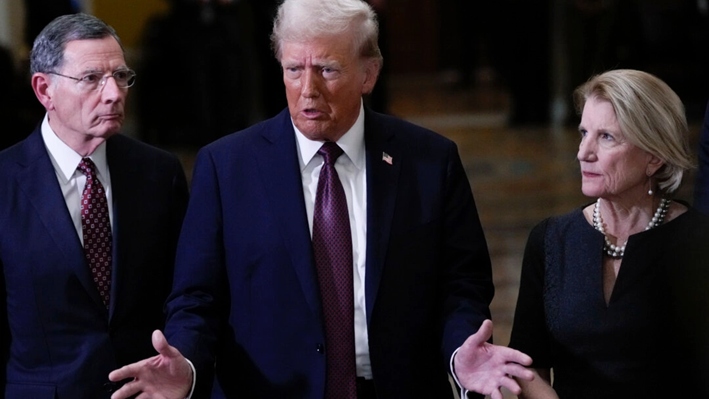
(387, 158)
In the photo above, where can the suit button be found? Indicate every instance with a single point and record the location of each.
(320, 348)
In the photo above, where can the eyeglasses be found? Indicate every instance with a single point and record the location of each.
(92, 81)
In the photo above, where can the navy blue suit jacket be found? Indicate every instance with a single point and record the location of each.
(246, 293)
(57, 339)
(701, 185)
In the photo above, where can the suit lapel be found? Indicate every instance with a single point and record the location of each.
(382, 183)
(126, 190)
(276, 156)
(282, 179)
(38, 181)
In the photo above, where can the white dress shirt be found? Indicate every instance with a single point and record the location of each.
(351, 168)
(71, 180)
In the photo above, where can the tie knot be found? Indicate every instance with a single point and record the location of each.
(87, 167)
(330, 151)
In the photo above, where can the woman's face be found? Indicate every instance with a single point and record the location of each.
(610, 165)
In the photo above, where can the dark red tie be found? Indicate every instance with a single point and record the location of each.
(332, 246)
(96, 227)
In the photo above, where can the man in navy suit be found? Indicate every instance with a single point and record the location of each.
(59, 338)
(246, 302)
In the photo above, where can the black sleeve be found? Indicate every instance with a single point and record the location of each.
(529, 331)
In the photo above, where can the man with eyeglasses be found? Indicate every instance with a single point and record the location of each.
(89, 221)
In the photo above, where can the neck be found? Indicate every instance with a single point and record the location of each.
(626, 219)
(614, 246)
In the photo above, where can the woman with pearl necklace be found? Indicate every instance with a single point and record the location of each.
(613, 296)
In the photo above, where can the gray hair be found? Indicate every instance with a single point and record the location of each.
(650, 115)
(305, 20)
(47, 53)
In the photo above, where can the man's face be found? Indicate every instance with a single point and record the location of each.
(325, 81)
(78, 114)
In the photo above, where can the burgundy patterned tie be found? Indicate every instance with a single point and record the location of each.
(332, 246)
(96, 227)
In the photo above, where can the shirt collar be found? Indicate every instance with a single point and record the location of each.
(65, 159)
(352, 143)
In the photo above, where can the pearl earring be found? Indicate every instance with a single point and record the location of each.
(649, 191)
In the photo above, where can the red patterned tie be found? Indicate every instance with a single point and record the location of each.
(332, 246)
(96, 227)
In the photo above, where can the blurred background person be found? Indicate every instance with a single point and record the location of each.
(194, 74)
(38, 13)
(15, 127)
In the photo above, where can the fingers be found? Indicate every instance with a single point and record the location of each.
(160, 342)
(515, 356)
(163, 347)
(127, 371)
(133, 370)
(482, 335)
(510, 384)
(127, 390)
(518, 371)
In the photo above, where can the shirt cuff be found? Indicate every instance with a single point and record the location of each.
(194, 378)
(463, 392)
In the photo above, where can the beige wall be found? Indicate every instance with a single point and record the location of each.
(11, 28)
(128, 17)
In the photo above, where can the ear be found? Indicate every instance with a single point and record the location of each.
(371, 73)
(43, 89)
(653, 165)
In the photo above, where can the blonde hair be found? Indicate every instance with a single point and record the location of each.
(650, 115)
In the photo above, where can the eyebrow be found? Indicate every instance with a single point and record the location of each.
(102, 72)
(332, 64)
(291, 64)
(318, 63)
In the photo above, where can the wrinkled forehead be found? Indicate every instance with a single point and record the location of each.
(323, 48)
(93, 54)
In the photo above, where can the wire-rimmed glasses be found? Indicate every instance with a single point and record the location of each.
(92, 81)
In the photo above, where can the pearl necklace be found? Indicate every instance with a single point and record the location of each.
(617, 252)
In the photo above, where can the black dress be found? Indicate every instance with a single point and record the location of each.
(651, 340)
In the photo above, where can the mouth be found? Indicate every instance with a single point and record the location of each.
(311, 113)
(111, 116)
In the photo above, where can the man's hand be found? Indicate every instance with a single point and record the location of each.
(167, 375)
(485, 368)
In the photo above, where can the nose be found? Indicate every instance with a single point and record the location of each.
(587, 150)
(310, 84)
(110, 92)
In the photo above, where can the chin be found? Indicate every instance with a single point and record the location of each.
(590, 192)
(108, 133)
(315, 133)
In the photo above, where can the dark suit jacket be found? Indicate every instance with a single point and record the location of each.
(246, 291)
(58, 339)
(701, 185)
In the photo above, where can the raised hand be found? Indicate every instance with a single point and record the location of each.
(485, 368)
(168, 375)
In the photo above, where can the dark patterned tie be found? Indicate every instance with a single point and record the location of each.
(332, 246)
(96, 227)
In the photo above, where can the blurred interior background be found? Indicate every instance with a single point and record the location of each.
(209, 61)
